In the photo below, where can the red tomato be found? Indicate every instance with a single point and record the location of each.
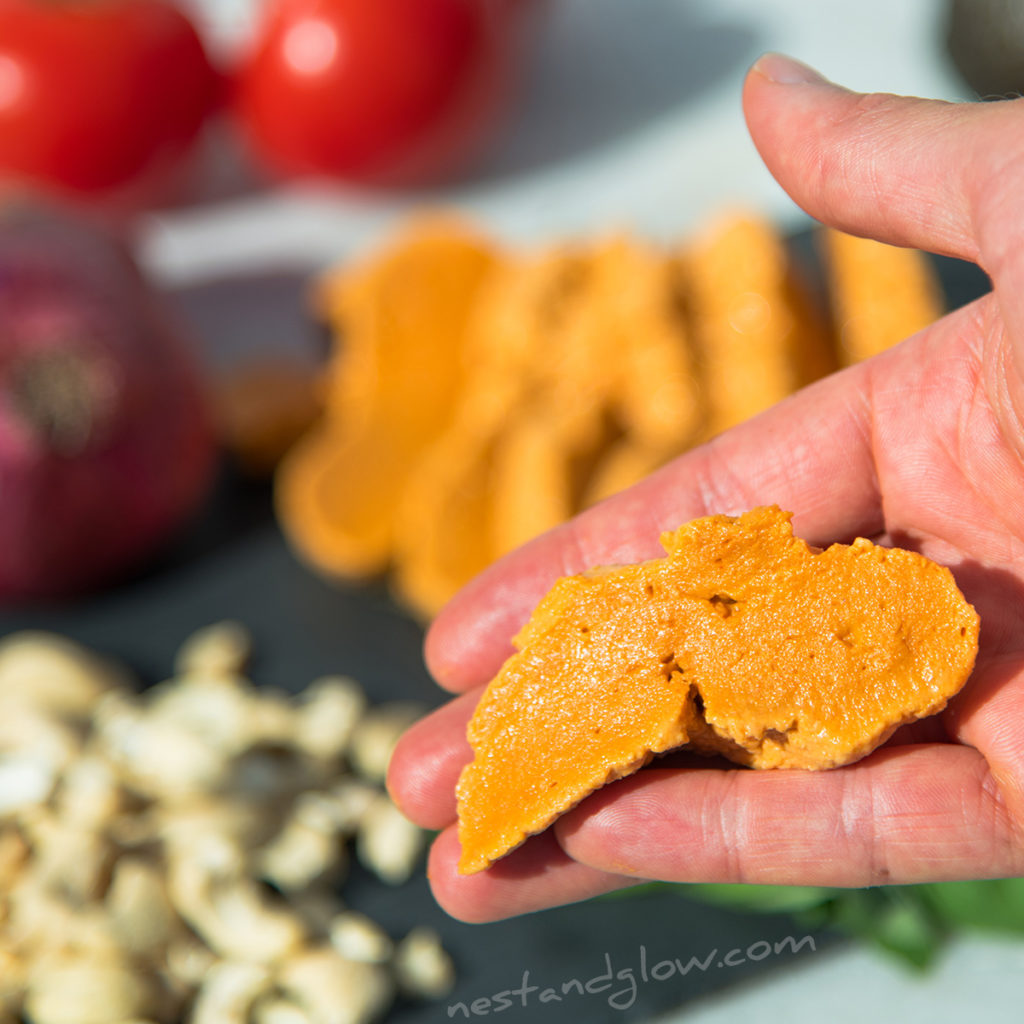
(376, 90)
(96, 95)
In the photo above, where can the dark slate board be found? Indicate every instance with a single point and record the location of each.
(233, 563)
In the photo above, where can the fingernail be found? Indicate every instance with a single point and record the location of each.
(786, 71)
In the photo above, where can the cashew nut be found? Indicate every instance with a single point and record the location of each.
(388, 843)
(90, 793)
(77, 989)
(187, 962)
(27, 778)
(69, 859)
(348, 802)
(232, 916)
(328, 715)
(356, 937)
(279, 1011)
(422, 967)
(299, 855)
(228, 993)
(54, 674)
(334, 990)
(140, 912)
(222, 649)
(376, 735)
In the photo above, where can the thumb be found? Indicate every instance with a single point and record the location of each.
(943, 177)
(897, 168)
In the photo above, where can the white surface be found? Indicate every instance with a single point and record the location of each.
(977, 980)
(630, 116)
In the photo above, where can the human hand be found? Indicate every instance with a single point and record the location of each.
(922, 447)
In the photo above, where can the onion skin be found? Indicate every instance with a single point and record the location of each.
(106, 437)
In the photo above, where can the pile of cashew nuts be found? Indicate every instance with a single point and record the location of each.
(175, 854)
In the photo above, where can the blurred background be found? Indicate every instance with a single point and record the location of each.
(294, 296)
(621, 117)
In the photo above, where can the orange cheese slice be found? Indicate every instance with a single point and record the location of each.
(743, 641)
